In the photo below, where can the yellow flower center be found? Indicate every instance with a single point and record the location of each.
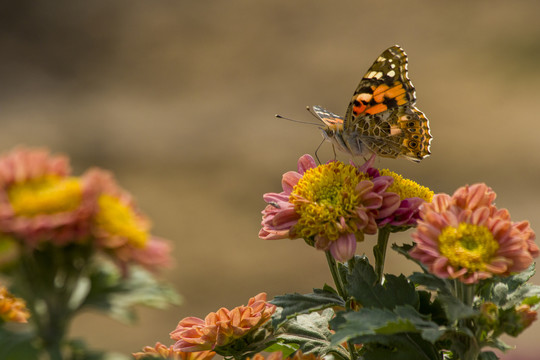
(468, 246)
(46, 195)
(407, 188)
(323, 196)
(119, 219)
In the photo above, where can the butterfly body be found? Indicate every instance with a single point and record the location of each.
(381, 117)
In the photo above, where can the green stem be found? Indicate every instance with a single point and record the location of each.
(466, 293)
(338, 281)
(379, 251)
(48, 279)
(335, 275)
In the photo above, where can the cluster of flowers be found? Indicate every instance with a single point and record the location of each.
(198, 339)
(333, 205)
(42, 202)
(463, 237)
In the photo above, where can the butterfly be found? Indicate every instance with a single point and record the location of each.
(381, 117)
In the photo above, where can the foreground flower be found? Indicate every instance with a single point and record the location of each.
(121, 230)
(160, 351)
(466, 237)
(12, 309)
(222, 327)
(39, 201)
(331, 206)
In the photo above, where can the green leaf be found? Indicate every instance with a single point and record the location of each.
(404, 250)
(311, 333)
(375, 321)
(296, 304)
(431, 282)
(511, 291)
(399, 347)
(285, 349)
(455, 309)
(488, 355)
(362, 284)
(17, 345)
(116, 295)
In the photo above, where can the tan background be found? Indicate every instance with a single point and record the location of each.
(178, 98)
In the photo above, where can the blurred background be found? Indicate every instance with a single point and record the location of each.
(178, 98)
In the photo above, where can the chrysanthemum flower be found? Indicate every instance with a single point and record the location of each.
(466, 237)
(40, 201)
(12, 309)
(411, 197)
(160, 351)
(121, 230)
(222, 327)
(331, 206)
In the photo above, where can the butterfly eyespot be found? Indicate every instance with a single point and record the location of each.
(412, 130)
(416, 137)
(413, 144)
(411, 124)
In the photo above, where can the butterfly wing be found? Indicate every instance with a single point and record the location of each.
(331, 120)
(382, 113)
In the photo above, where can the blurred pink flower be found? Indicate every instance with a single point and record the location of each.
(39, 201)
(160, 351)
(121, 230)
(222, 327)
(465, 236)
(331, 206)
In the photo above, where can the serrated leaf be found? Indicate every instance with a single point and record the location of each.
(431, 282)
(455, 309)
(116, 295)
(285, 349)
(404, 250)
(362, 284)
(398, 347)
(375, 321)
(511, 291)
(296, 304)
(311, 333)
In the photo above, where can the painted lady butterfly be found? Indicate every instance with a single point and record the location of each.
(381, 117)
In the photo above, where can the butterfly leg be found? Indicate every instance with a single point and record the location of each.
(317, 150)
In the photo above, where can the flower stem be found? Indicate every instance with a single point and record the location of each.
(338, 281)
(379, 250)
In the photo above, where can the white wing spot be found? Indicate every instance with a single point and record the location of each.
(392, 66)
(391, 73)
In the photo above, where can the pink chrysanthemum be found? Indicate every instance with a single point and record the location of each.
(222, 327)
(466, 237)
(121, 230)
(411, 197)
(160, 351)
(39, 201)
(331, 205)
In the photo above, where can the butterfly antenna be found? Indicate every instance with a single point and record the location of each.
(310, 110)
(294, 120)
